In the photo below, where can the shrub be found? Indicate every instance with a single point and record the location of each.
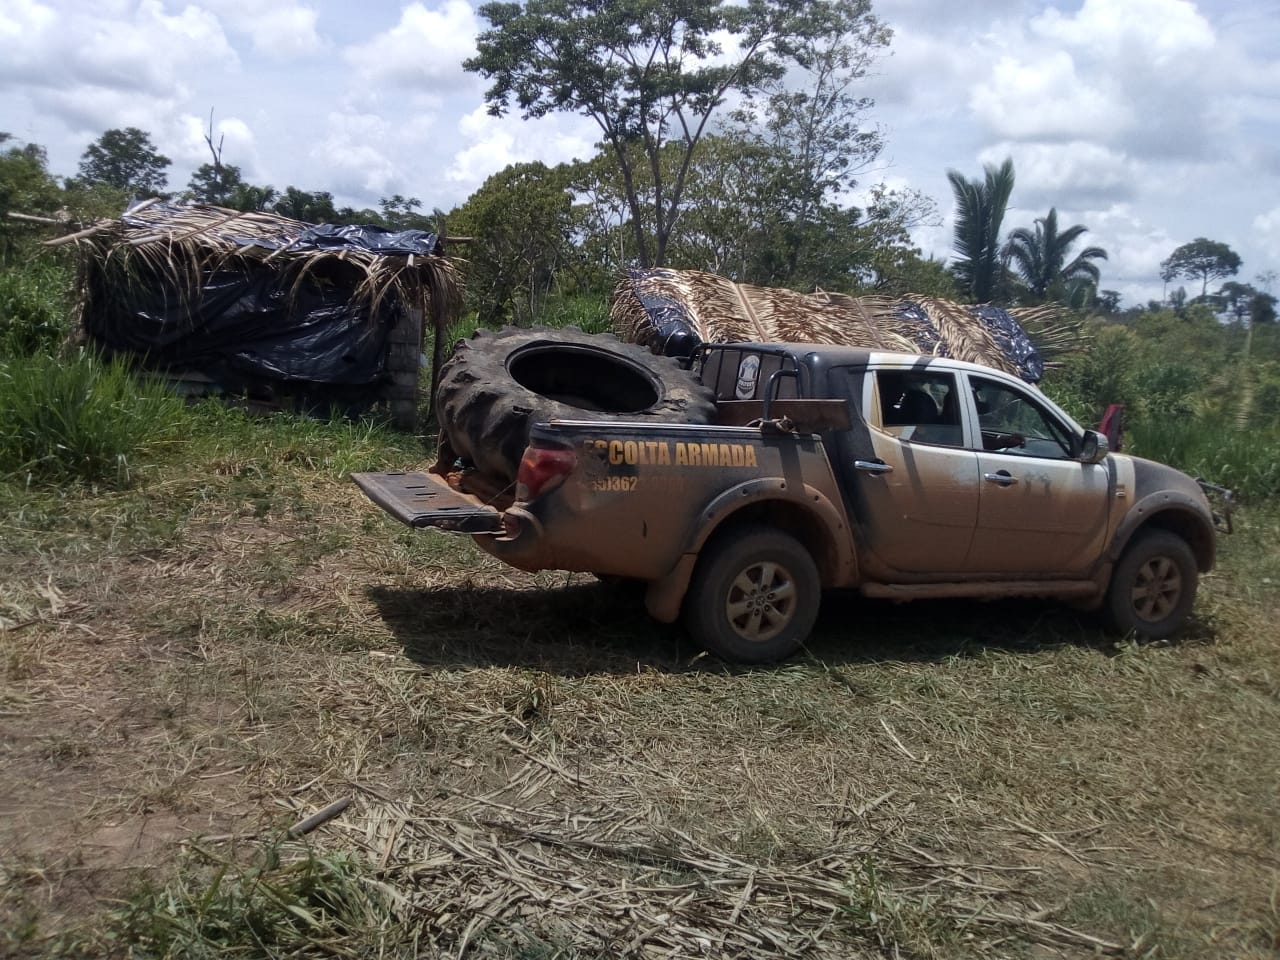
(81, 419)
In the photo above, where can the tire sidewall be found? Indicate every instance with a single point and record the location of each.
(726, 556)
(1145, 547)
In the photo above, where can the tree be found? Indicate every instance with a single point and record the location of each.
(980, 209)
(314, 207)
(1040, 258)
(401, 213)
(811, 132)
(650, 73)
(216, 183)
(1262, 308)
(248, 197)
(25, 187)
(1202, 260)
(127, 160)
(520, 222)
(1109, 301)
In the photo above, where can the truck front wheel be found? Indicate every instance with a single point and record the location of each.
(1153, 587)
(754, 596)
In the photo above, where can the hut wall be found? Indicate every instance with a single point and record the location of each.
(404, 352)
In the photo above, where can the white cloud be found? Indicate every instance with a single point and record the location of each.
(24, 28)
(426, 47)
(281, 29)
(894, 80)
(496, 142)
(1157, 33)
(1088, 172)
(144, 50)
(357, 153)
(1045, 99)
(1267, 227)
(1139, 76)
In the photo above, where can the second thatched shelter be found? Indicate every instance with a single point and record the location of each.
(650, 306)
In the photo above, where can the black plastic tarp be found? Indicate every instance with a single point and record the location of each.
(250, 319)
(240, 326)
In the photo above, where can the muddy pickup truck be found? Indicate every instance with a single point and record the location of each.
(900, 476)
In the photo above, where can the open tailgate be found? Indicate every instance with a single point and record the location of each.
(426, 500)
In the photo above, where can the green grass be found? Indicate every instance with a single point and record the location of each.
(283, 901)
(1247, 459)
(33, 307)
(81, 419)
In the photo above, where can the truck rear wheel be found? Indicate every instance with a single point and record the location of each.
(496, 385)
(1153, 587)
(754, 596)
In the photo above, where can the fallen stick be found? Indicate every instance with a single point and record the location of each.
(318, 818)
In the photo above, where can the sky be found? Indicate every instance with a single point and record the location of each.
(1150, 122)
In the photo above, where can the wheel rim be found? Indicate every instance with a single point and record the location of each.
(1157, 588)
(761, 602)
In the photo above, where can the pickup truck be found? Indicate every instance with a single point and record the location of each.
(900, 476)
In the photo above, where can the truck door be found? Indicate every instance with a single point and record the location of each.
(910, 480)
(1042, 512)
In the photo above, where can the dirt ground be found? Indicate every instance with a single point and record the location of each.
(536, 769)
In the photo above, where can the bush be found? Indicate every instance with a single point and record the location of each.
(81, 419)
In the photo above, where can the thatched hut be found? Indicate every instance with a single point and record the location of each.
(650, 306)
(253, 304)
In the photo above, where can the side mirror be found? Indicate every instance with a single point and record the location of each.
(1093, 447)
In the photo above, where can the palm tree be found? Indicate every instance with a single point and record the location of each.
(980, 207)
(1040, 258)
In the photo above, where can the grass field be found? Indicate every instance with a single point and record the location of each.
(193, 663)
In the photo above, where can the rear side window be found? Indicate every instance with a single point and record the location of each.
(920, 406)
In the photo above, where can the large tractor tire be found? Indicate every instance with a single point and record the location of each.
(498, 384)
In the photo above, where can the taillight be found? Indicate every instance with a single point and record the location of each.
(542, 469)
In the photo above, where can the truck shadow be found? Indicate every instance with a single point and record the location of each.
(589, 628)
(575, 630)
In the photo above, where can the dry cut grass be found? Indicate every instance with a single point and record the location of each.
(536, 770)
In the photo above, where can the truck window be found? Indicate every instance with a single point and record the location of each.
(1012, 422)
(920, 406)
(743, 373)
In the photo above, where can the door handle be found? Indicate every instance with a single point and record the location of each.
(872, 466)
(1003, 477)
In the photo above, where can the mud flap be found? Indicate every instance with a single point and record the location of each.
(426, 500)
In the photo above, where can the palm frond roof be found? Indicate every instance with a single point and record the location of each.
(181, 243)
(718, 310)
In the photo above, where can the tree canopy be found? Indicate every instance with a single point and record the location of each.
(126, 160)
(1040, 258)
(519, 221)
(1202, 260)
(980, 209)
(217, 183)
(652, 73)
